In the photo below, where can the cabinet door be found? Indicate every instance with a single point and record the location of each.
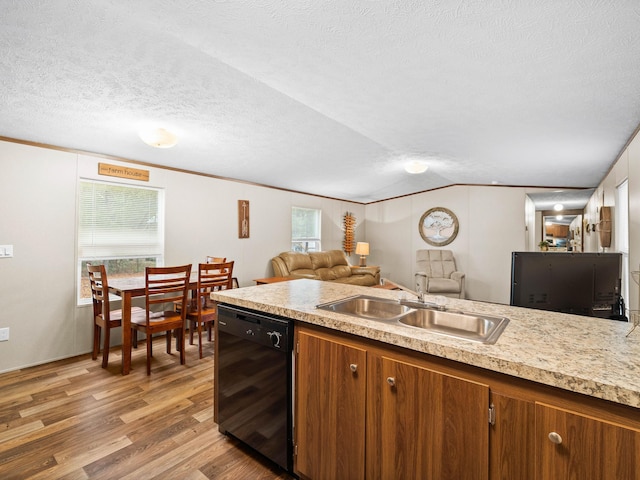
(573, 446)
(512, 438)
(330, 408)
(425, 424)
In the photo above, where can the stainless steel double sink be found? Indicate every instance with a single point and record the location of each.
(467, 326)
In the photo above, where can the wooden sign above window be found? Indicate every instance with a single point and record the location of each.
(123, 172)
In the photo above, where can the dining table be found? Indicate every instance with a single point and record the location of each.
(128, 288)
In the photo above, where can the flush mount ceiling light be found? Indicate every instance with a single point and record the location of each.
(158, 137)
(416, 166)
(558, 207)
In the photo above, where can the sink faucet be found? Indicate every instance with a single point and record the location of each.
(420, 293)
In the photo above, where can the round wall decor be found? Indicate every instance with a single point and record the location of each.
(438, 226)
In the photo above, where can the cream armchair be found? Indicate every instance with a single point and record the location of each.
(437, 273)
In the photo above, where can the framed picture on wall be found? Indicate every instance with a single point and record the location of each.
(438, 226)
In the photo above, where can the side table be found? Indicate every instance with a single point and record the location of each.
(265, 281)
(388, 285)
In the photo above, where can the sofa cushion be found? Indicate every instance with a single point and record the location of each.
(341, 271)
(330, 265)
(298, 263)
(325, 274)
(320, 260)
(328, 259)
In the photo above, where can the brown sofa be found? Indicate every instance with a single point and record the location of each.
(331, 266)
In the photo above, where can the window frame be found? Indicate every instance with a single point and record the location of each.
(155, 256)
(316, 240)
(621, 231)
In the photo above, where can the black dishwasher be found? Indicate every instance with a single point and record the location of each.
(254, 372)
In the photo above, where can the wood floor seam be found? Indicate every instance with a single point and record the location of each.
(71, 419)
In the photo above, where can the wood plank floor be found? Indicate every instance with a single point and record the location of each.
(72, 419)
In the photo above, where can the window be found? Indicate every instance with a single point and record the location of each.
(622, 234)
(305, 229)
(121, 226)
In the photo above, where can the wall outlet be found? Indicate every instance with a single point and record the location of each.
(4, 334)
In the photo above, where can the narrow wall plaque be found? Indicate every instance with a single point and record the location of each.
(243, 218)
(123, 172)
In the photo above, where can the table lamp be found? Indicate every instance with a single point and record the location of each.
(362, 249)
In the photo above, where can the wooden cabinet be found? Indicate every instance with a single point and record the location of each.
(424, 424)
(419, 423)
(512, 453)
(557, 231)
(571, 445)
(370, 410)
(330, 408)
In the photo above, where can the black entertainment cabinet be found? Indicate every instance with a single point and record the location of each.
(568, 282)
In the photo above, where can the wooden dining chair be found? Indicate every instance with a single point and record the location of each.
(163, 287)
(216, 259)
(222, 260)
(103, 317)
(203, 311)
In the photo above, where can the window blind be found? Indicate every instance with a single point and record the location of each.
(305, 229)
(119, 221)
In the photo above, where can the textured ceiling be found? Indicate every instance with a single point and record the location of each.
(332, 97)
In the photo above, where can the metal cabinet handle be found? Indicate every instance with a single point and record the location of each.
(391, 381)
(555, 438)
(353, 367)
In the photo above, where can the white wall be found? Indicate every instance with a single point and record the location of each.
(494, 221)
(492, 226)
(532, 236)
(627, 167)
(38, 195)
(633, 162)
(38, 285)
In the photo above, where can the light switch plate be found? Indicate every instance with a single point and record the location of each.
(4, 334)
(6, 251)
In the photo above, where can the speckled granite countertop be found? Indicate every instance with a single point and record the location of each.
(586, 355)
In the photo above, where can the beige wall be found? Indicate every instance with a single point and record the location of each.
(38, 193)
(494, 221)
(632, 158)
(627, 167)
(37, 290)
(492, 225)
(38, 285)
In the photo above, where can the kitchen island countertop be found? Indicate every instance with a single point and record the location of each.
(591, 356)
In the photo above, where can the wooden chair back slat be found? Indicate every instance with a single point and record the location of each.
(167, 285)
(216, 259)
(99, 290)
(211, 277)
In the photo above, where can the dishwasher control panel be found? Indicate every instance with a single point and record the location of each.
(272, 331)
